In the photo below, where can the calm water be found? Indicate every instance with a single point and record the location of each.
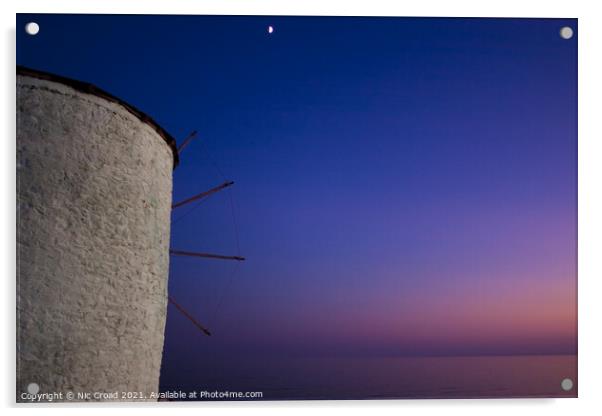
(374, 378)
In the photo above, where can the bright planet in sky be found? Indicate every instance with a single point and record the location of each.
(270, 29)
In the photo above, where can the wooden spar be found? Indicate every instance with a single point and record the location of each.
(186, 141)
(205, 255)
(190, 317)
(202, 194)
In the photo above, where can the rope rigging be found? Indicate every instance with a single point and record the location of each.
(196, 201)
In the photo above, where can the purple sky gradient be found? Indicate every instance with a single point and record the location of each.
(403, 186)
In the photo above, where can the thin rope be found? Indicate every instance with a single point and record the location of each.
(196, 205)
(192, 208)
(221, 295)
(226, 288)
(230, 191)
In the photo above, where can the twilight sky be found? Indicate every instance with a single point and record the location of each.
(403, 185)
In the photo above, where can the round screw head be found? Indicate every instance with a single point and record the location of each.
(566, 384)
(33, 388)
(566, 32)
(32, 28)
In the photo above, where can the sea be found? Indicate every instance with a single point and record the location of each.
(361, 378)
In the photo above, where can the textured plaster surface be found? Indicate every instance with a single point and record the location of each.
(94, 201)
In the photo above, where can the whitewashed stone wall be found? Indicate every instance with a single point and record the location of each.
(94, 187)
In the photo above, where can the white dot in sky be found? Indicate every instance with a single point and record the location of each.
(32, 28)
(270, 29)
(566, 32)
